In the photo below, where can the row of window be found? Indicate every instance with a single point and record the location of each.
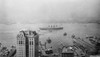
(31, 43)
(21, 42)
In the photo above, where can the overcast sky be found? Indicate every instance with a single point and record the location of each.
(49, 11)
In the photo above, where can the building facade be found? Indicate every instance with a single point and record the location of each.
(27, 44)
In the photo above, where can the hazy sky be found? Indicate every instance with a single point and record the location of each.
(36, 11)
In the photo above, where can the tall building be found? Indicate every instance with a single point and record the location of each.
(27, 44)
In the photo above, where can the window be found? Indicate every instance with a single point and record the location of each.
(30, 42)
(19, 42)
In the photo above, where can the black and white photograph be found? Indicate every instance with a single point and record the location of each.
(49, 28)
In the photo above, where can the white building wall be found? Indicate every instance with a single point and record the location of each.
(31, 47)
(20, 45)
